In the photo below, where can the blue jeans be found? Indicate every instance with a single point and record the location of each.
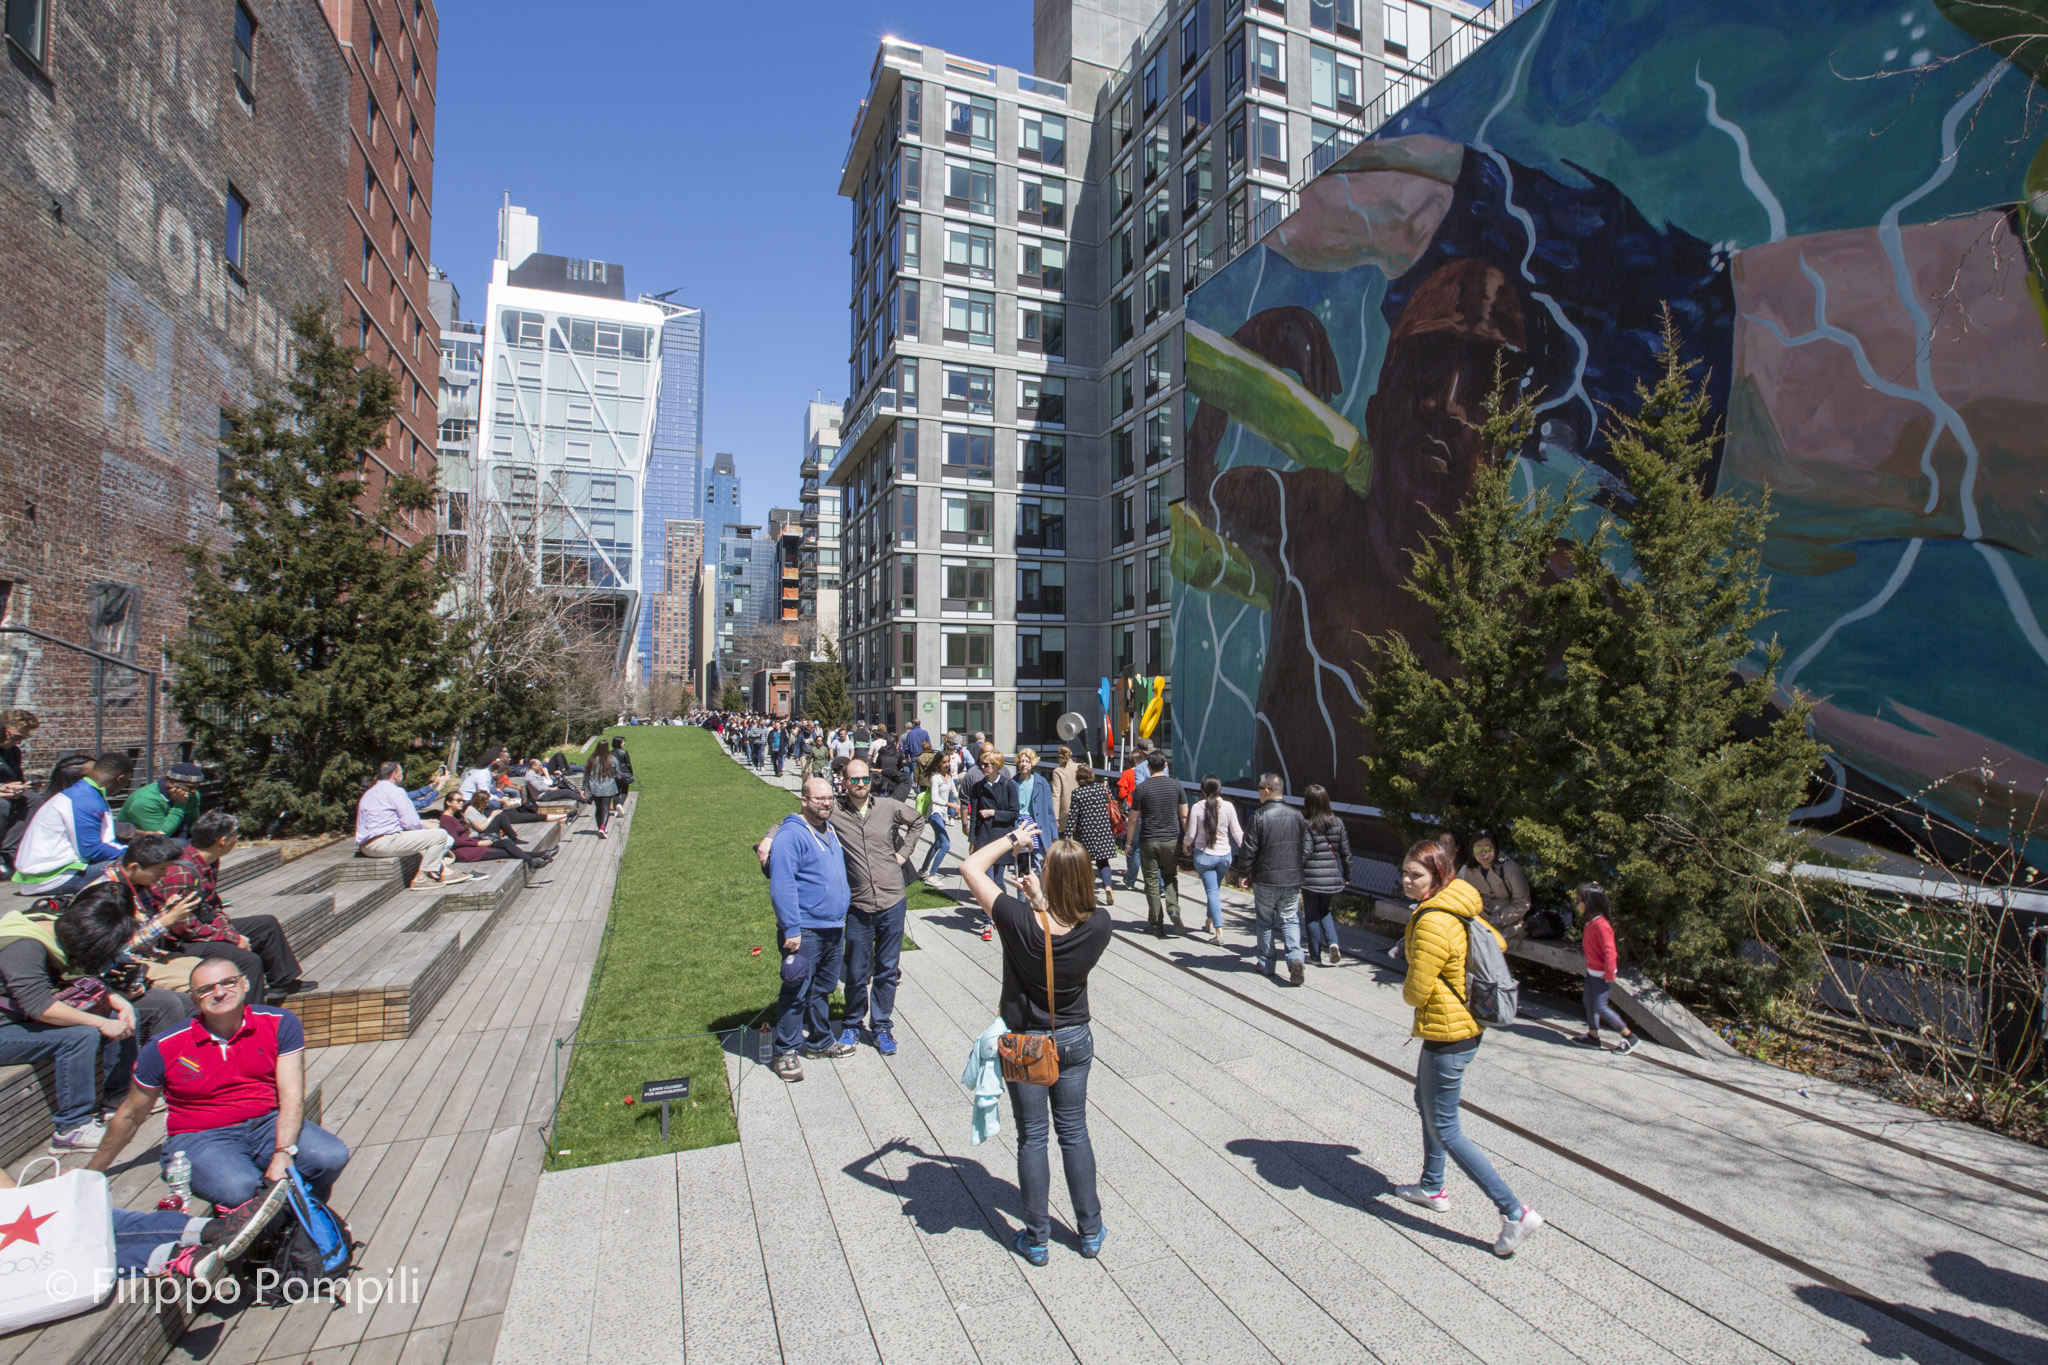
(803, 1012)
(228, 1163)
(942, 842)
(776, 754)
(1277, 913)
(144, 1241)
(1211, 867)
(1598, 1011)
(874, 948)
(1067, 1098)
(77, 1052)
(1318, 921)
(1132, 879)
(1438, 1076)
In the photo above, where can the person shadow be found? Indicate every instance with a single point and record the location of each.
(1891, 1331)
(1328, 1171)
(942, 1193)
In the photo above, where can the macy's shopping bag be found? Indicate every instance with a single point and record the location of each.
(56, 1248)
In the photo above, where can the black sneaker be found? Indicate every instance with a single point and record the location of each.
(1628, 1044)
(1591, 1040)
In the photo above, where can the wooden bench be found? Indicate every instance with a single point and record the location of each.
(118, 1332)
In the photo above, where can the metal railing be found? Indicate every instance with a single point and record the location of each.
(60, 721)
(883, 401)
(1467, 37)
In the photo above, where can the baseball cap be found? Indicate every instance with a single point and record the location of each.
(796, 967)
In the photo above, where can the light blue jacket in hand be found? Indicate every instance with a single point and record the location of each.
(983, 1074)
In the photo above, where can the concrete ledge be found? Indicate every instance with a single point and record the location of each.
(246, 863)
(1646, 1006)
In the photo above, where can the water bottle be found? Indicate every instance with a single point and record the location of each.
(767, 1044)
(178, 1175)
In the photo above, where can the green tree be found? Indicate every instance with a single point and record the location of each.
(1607, 705)
(732, 697)
(315, 650)
(825, 699)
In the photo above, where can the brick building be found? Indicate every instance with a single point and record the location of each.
(175, 179)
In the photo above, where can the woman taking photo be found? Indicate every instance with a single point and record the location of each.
(1212, 838)
(1434, 948)
(1056, 917)
(1088, 824)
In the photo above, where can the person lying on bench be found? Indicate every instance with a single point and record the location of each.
(80, 1026)
(235, 1083)
(471, 849)
(256, 944)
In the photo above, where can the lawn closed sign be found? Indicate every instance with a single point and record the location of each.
(678, 1089)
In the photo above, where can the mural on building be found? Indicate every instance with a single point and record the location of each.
(1835, 199)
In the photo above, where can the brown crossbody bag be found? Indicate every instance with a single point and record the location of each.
(1033, 1058)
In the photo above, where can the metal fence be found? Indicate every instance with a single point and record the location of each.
(85, 699)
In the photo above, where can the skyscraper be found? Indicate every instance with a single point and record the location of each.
(721, 500)
(675, 459)
(818, 558)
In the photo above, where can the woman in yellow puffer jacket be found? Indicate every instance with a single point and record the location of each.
(1434, 949)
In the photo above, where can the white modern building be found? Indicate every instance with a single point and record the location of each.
(818, 505)
(571, 378)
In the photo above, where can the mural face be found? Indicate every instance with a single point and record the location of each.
(1837, 202)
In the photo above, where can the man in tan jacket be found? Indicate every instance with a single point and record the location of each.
(1064, 780)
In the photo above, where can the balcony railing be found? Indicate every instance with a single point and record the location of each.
(883, 404)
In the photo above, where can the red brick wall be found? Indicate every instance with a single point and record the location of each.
(124, 332)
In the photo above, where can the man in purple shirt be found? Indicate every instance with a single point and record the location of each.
(387, 826)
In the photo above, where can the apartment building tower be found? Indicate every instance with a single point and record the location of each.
(818, 511)
(1022, 244)
(675, 458)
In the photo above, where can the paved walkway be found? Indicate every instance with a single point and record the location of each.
(1248, 1135)
(443, 1133)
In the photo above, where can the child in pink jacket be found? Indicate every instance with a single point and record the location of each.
(1597, 939)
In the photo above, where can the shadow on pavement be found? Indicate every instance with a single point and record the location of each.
(942, 1193)
(1327, 1170)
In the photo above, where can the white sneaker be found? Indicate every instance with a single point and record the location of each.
(1515, 1231)
(1440, 1202)
(84, 1138)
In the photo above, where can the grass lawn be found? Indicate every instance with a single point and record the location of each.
(690, 906)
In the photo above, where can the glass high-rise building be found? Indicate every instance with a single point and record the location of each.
(675, 457)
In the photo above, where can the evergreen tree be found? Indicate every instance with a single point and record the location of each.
(825, 699)
(1680, 771)
(1607, 707)
(732, 697)
(316, 650)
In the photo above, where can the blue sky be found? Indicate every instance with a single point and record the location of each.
(698, 145)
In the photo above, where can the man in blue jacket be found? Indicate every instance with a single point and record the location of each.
(806, 869)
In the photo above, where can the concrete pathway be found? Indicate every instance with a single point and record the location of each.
(1248, 1135)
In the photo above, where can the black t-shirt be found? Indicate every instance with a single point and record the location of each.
(1157, 801)
(1074, 955)
(31, 983)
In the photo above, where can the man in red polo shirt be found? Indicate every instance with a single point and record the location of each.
(235, 1083)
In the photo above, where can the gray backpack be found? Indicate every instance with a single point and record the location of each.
(1491, 991)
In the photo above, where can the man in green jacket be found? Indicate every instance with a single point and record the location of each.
(168, 805)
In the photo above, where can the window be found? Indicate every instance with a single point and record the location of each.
(970, 519)
(1041, 137)
(1406, 29)
(1120, 123)
(1340, 16)
(1120, 466)
(369, 187)
(909, 176)
(1042, 265)
(906, 309)
(1120, 391)
(1152, 85)
(408, 260)
(970, 251)
(412, 196)
(1122, 177)
(971, 390)
(1125, 529)
(913, 109)
(906, 396)
(1122, 320)
(415, 75)
(1233, 141)
(971, 317)
(1269, 56)
(1042, 654)
(1041, 588)
(1194, 34)
(971, 185)
(1127, 650)
(1332, 79)
(1155, 508)
(904, 244)
(1194, 106)
(906, 592)
(1042, 399)
(906, 498)
(1272, 138)
(1158, 155)
(1042, 327)
(1123, 588)
(1158, 646)
(1233, 66)
(970, 452)
(1042, 524)
(970, 653)
(1048, 199)
(1158, 220)
(1158, 437)
(376, 47)
(370, 119)
(971, 121)
(245, 50)
(1123, 253)
(1044, 460)
(1156, 377)
(906, 653)
(1198, 179)
(233, 242)
(970, 585)
(1158, 291)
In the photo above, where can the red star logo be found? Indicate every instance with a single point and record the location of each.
(23, 1229)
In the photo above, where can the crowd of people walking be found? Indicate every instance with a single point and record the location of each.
(1042, 836)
